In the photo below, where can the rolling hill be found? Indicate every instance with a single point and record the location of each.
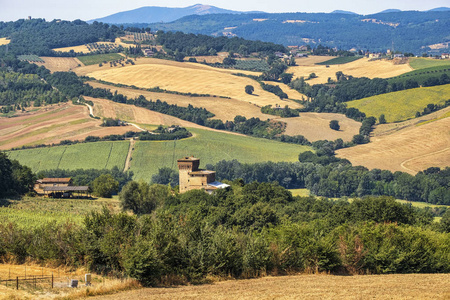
(152, 14)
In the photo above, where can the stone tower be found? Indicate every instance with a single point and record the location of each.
(185, 166)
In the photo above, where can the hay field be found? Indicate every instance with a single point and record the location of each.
(316, 126)
(396, 286)
(211, 147)
(189, 78)
(359, 68)
(97, 155)
(409, 149)
(402, 105)
(311, 60)
(60, 64)
(209, 59)
(4, 41)
(52, 124)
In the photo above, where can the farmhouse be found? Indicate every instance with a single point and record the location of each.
(60, 188)
(193, 178)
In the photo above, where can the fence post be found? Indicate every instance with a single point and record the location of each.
(52, 279)
(17, 282)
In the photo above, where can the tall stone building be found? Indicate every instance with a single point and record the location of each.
(193, 178)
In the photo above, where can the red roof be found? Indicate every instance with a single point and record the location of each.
(56, 180)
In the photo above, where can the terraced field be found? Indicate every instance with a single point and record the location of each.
(188, 78)
(359, 68)
(402, 105)
(98, 155)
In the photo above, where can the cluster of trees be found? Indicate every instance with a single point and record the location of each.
(15, 179)
(284, 112)
(241, 232)
(274, 89)
(431, 108)
(327, 176)
(19, 90)
(200, 45)
(39, 37)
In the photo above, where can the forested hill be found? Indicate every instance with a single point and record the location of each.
(409, 31)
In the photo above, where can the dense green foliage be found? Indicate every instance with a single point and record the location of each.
(345, 31)
(15, 179)
(242, 232)
(191, 44)
(326, 176)
(38, 37)
(284, 112)
(105, 186)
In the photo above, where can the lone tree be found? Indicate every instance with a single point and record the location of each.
(334, 124)
(105, 185)
(382, 119)
(249, 89)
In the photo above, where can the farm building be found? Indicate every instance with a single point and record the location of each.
(60, 188)
(193, 178)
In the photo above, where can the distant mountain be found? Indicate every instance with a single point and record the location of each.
(389, 11)
(154, 14)
(343, 12)
(440, 9)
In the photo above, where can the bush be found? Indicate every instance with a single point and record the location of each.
(334, 124)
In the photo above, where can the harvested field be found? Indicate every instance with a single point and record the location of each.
(4, 41)
(60, 64)
(311, 60)
(408, 286)
(188, 78)
(316, 126)
(210, 59)
(359, 68)
(52, 124)
(409, 148)
(224, 109)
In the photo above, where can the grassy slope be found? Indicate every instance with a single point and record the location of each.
(210, 147)
(99, 58)
(99, 155)
(423, 63)
(340, 60)
(32, 212)
(403, 105)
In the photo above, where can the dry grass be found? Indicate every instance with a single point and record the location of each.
(52, 124)
(186, 78)
(311, 60)
(359, 68)
(60, 64)
(210, 59)
(404, 147)
(4, 41)
(224, 109)
(409, 286)
(316, 126)
(62, 275)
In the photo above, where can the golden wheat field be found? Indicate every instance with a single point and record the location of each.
(360, 68)
(405, 147)
(396, 286)
(4, 41)
(60, 64)
(316, 126)
(189, 78)
(52, 124)
(223, 109)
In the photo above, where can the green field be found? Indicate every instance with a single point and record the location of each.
(210, 147)
(340, 60)
(423, 63)
(99, 58)
(402, 105)
(422, 74)
(32, 212)
(98, 155)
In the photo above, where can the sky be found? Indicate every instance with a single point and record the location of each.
(11, 10)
